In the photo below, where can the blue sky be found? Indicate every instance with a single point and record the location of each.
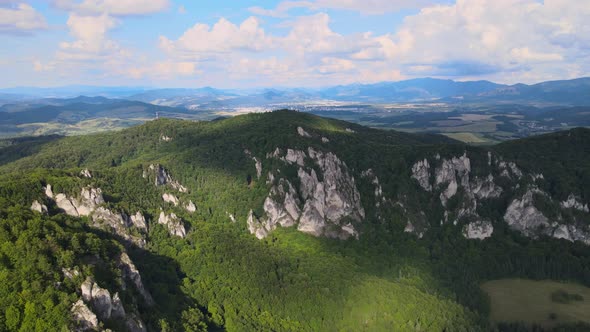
(304, 43)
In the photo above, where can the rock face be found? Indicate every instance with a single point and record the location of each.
(454, 175)
(130, 272)
(524, 217)
(89, 204)
(84, 318)
(36, 206)
(572, 202)
(325, 206)
(421, 172)
(302, 132)
(86, 173)
(161, 177)
(191, 207)
(138, 220)
(174, 224)
(478, 230)
(89, 200)
(105, 307)
(169, 198)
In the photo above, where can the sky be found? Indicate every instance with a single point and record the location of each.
(289, 43)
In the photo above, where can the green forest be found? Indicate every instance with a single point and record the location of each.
(222, 278)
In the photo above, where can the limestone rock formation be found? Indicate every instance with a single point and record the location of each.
(302, 132)
(325, 140)
(572, 202)
(89, 203)
(478, 230)
(162, 177)
(84, 318)
(523, 216)
(190, 207)
(421, 172)
(36, 206)
(325, 207)
(169, 198)
(173, 223)
(86, 173)
(130, 272)
(138, 220)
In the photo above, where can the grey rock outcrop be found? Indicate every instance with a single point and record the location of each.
(38, 207)
(322, 206)
(105, 306)
(130, 272)
(86, 173)
(162, 177)
(421, 172)
(173, 223)
(138, 220)
(571, 233)
(84, 318)
(295, 157)
(485, 188)
(523, 216)
(89, 200)
(572, 202)
(169, 198)
(325, 140)
(302, 132)
(190, 207)
(478, 230)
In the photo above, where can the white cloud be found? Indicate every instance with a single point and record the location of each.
(21, 18)
(161, 70)
(202, 40)
(91, 40)
(181, 10)
(113, 7)
(370, 7)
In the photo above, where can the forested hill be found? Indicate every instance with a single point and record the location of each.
(282, 221)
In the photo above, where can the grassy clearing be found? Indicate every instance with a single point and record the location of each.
(467, 137)
(528, 301)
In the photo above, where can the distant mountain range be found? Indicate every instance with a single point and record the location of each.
(568, 92)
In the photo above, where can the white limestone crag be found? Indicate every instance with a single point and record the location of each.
(173, 223)
(325, 140)
(325, 206)
(162, 177)
(523, 216)
(84, 318)
(571, 233)
(138, 220)
(130, 272)
(295, 157)
(104, 305)
(190, 207)
(86, 173)
(256, 227)
(169, 198)
(38, 207)
(480, 230)
(486, 188)
(572, 202)
(302, 132)
(421, 172)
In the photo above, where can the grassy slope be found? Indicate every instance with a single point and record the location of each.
(517, 300)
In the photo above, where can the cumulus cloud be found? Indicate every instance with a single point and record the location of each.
(112, 7)
(91, 40)
(20, 18)
(223, 37)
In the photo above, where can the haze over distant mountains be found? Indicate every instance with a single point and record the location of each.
(570, 92)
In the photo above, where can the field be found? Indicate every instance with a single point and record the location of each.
(528, 301)
(467, 137)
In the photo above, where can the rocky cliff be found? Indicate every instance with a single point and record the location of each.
(324, 201)
(504, 180)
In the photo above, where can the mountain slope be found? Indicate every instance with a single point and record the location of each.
(187, 201)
